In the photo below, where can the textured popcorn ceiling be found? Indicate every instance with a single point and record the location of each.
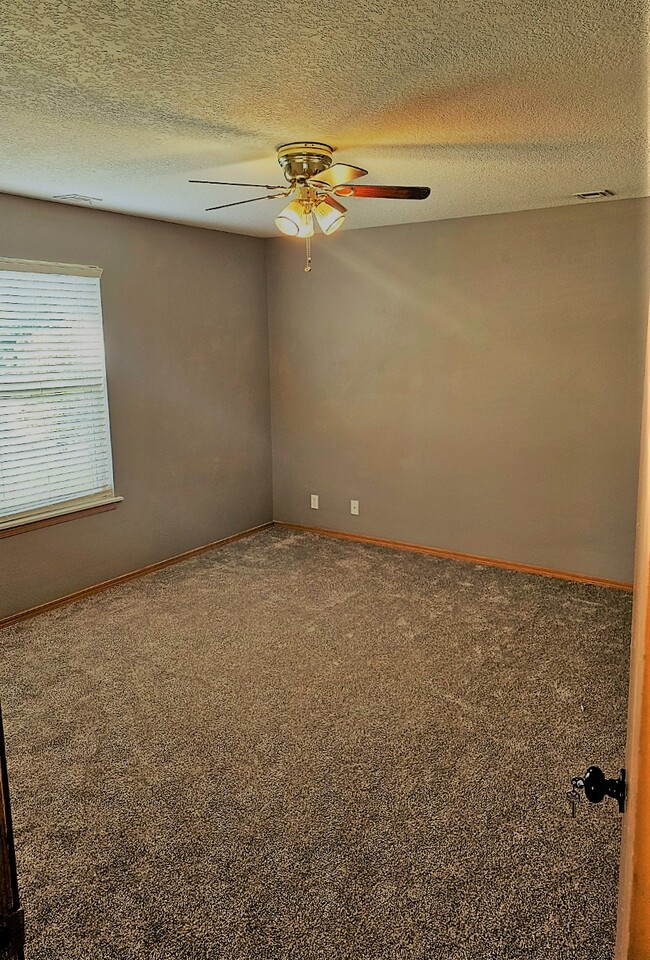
(496, 104)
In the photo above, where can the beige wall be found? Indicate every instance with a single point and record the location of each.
(187, 356)
(475, 383)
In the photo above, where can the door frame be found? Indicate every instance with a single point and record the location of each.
(633, 927)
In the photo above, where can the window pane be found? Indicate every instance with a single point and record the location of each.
(54, 427)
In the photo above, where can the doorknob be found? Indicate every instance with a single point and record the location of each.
(596, 787)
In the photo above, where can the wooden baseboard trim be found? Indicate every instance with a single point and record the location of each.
(339, 534)
(132, 575)
(467, 557)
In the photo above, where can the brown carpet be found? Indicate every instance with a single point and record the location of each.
(297, 747)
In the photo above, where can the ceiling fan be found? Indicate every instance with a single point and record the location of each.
(315, 184)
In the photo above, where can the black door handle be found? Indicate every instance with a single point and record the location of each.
(596, 787)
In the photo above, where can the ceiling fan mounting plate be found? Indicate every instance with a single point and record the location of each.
(304, 159)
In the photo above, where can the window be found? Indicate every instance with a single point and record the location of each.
(55, 447)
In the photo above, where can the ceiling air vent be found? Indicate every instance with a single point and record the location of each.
(77, 198)
(593, 194)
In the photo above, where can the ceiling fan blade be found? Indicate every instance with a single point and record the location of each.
(227, 183)
(237, 203)
(389, 193)
(338, 174)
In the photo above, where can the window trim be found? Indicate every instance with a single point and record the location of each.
(44, 266)
(47, 518)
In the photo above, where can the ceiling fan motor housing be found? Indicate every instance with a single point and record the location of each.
(303, 160)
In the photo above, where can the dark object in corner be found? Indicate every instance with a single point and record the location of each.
(12, 929)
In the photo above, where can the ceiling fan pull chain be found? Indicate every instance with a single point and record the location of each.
(308, 265)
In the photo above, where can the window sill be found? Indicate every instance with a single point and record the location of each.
(49, 519)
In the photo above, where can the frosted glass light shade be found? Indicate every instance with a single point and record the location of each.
(295, 221)
(330, 215)
(287, 225)
(307, 226)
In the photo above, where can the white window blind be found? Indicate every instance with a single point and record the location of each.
(55, 448)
